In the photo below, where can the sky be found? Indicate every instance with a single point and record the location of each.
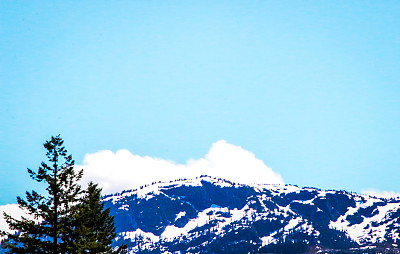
(295, 92)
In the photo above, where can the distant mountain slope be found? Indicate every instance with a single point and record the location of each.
(209, 215)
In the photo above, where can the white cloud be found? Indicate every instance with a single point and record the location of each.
(123, 170)
(381, 194)
(14, 211)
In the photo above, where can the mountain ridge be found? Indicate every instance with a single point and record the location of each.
(213, 215)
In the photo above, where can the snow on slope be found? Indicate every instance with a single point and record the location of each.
(281, 204)
(363, 232)
(181, 211)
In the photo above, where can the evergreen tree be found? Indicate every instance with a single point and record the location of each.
(94, 227)
(51, 228)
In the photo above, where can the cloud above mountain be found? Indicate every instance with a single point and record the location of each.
(122, 170)
(14, 211)
(381, 194)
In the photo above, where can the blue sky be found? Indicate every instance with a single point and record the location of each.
(310, 87)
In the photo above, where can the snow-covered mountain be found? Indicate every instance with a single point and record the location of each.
(209, 215)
